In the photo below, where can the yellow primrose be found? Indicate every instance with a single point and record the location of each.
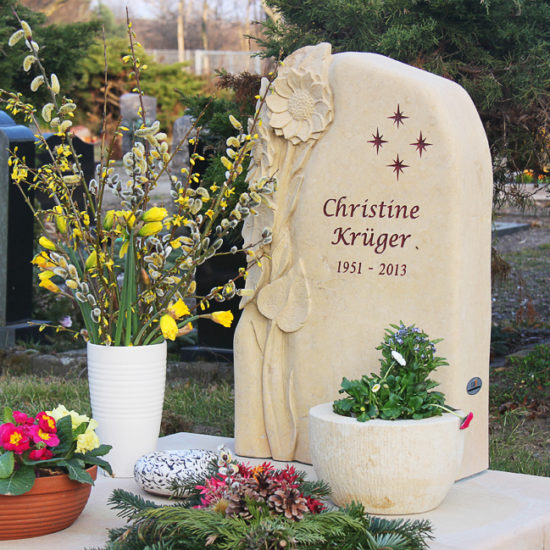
(88, 441)
(151, 228)
(46, 243)
(168, 327)
(224, 318)
(178, 310)
(154, 214)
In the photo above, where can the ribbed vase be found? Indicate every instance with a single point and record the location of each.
(53, 503)
(127, 394)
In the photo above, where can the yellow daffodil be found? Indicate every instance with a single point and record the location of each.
(49, 285)
(168, 327)
(42, 260)
(224, 318)
(154, 214)
(178, 309)
(185, 330)
(46, 243)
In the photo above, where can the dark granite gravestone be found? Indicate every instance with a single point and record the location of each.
(16, 235)
(85, 153)
(129, 107)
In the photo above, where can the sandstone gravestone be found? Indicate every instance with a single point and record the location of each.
(383, 211)
(130, 109)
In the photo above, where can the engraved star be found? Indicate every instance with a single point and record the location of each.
(398, 166)
(398, 116)
(421, 144)
(377, 141)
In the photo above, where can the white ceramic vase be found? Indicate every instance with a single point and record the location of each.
(127, 394)
(390, 466)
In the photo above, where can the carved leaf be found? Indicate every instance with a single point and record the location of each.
(296, 309)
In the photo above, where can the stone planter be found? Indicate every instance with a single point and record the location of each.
(127, 395)
(53, 503)
(390, 466)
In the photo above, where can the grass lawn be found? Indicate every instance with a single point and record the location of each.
(519, 434)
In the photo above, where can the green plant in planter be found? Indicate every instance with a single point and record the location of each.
(403, 389)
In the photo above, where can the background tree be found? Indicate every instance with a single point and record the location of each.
(498, 50)
(66, 46)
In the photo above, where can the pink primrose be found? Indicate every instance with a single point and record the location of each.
(46, 422)
(41, 454)
(14, 438)
(22, 418)
(39, 435)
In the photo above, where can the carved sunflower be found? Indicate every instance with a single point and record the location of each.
(300, 106)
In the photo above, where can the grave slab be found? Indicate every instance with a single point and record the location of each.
(489, 511)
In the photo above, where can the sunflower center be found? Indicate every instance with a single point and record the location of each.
(301, 105)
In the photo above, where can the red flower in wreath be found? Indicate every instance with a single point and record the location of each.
(466, 421)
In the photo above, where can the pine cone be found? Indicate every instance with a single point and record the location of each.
(289, 502)
(237, 507)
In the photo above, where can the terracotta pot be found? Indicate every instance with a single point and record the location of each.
(52, 504)
(390, 466)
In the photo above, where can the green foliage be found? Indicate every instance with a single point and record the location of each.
(527, 378)
(157, 80)
(186, 528)
(498, 51)
(66, 47)
(403, 387)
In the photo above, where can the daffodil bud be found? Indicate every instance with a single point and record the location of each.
(154, 214)
(108, 220)
(46, 243)
(151, 228)
(91, 261)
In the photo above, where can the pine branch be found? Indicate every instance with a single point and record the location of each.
(130, 505)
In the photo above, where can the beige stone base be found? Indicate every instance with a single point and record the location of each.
(489, 511)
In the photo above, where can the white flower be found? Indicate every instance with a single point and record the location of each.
(399, 358)
(375, 388)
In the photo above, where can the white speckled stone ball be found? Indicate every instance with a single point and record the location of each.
(155, 472)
